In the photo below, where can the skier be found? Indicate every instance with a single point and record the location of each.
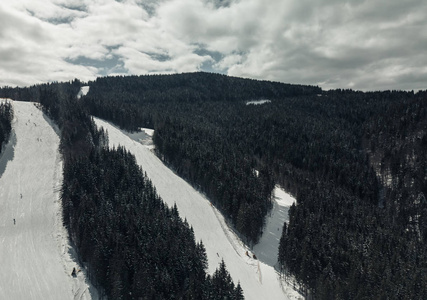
(14, 222)
(74, 274)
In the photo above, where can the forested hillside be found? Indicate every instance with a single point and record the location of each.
(344, 233)
(119, 98)
(133, 245)
(6, 116)
(198, 124)
(343, 240)
(356, 162)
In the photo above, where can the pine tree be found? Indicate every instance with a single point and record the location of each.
(222, 283)
(238, 293)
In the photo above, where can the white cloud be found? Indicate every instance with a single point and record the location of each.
(228, 62)
(367, 45)
(29, 51)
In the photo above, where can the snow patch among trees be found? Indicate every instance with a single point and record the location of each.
(83, 91)
(267, 248)
(258, 102)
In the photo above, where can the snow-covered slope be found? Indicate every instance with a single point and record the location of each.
(35, 257)
(83, 91)
(258, 280)
(267, 248)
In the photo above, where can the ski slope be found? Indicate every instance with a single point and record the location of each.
(268, 247)
(258, 279)
(35, 257)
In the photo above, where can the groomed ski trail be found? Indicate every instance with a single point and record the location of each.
(258, 280)
(35, 257)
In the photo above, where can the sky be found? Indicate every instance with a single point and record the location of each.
(357, 44)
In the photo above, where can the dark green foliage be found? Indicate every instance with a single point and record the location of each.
(220, 286)
(49, 94)
(193, 87)
(6, 116)
(134, 244)
(352, 236)
(119, 99)
(203, 151)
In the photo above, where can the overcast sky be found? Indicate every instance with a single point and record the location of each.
(364, 45)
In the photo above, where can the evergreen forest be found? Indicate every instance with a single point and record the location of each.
(355, 161)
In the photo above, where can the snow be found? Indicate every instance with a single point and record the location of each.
(35, 254)
(256, 172)
(283, 198)
(83, 91)
(268, 247)
(258, 102)
(143, 136)
(258, 278)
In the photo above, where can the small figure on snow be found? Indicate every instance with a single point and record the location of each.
(14, 222)
(74, 273)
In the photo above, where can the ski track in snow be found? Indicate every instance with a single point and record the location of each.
(258, 279)
(35, 255)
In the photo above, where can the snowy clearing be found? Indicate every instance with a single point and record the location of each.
(258, 279)
(35, 255)
(268, 247)
(258, 102)
(83, 91)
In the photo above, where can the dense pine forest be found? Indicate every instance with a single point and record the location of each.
(198, 133)
(356, 163)
(133, 245)
(350, 226)
(6, 116)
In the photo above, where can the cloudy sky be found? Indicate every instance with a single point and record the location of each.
(365, 45)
